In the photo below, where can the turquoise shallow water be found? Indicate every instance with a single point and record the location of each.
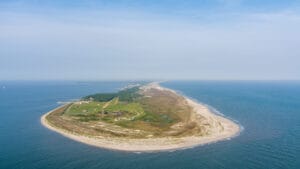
(268, 111)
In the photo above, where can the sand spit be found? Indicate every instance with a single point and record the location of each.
(223, 129)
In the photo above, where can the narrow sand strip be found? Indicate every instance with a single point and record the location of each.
(228, 129)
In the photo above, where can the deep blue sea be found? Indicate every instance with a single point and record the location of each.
(269, 112)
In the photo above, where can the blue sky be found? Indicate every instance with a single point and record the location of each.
(157, 39)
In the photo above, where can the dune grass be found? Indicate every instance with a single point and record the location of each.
(153, 112)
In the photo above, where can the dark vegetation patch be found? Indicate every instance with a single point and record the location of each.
(127, 95)
(101, 97)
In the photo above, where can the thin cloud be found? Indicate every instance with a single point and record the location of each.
(116, 44)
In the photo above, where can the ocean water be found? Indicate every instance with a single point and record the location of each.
(268, 111)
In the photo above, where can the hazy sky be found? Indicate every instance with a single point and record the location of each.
(154, 39)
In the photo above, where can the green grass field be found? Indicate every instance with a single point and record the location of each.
(153, 112)
(85, 108)
(120, 113)
(110, 111)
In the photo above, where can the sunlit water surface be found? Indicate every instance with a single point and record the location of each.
(268, 111)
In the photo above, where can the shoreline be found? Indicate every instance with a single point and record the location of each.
(229, 129)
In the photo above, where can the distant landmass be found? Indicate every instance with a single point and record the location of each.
(139, 118)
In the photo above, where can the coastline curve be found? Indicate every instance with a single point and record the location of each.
(229, 130)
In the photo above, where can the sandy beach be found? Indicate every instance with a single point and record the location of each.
(223, 129)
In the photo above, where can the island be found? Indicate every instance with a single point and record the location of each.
(140, 118)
